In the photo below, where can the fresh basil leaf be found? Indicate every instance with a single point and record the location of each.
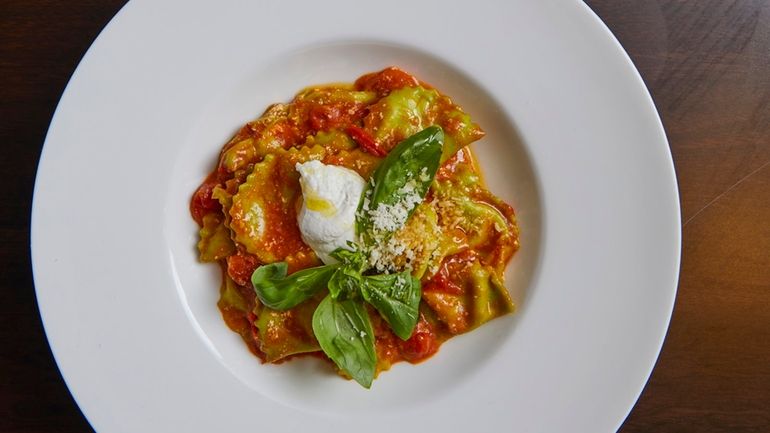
(407, 172)
(281, 292)
(353, 257)
(345, 334)
(397, 298)
(345, 284)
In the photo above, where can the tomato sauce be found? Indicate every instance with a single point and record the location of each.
(386, 81)
(290, 132)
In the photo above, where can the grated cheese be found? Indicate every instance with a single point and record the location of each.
(388, 219)
(391, 217)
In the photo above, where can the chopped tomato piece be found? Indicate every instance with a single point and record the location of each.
(240, 266)
(365, 140)
(321, 117)
(202, 203)
(386, 81)
(421, 345)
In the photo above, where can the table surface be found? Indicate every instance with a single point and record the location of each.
(707, 65)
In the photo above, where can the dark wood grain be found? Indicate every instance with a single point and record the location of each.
(707, 64)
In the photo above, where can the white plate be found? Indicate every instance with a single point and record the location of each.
(573, 142)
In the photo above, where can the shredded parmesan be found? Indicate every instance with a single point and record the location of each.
(383, 255)
(391, 217)
(387, 219)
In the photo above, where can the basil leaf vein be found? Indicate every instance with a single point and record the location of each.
(397, 298)
(345, 334)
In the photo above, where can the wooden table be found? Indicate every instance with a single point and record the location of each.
(707, 64)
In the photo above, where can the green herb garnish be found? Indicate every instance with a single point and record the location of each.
(281, 292)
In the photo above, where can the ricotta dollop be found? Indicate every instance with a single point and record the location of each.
(330, 197)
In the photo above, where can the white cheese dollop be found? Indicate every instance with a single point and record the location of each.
(330, 196)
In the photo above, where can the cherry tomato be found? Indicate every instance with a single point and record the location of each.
(421, 345)
(202, 203)
(386, 81)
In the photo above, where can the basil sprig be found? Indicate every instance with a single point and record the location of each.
(341, 323)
